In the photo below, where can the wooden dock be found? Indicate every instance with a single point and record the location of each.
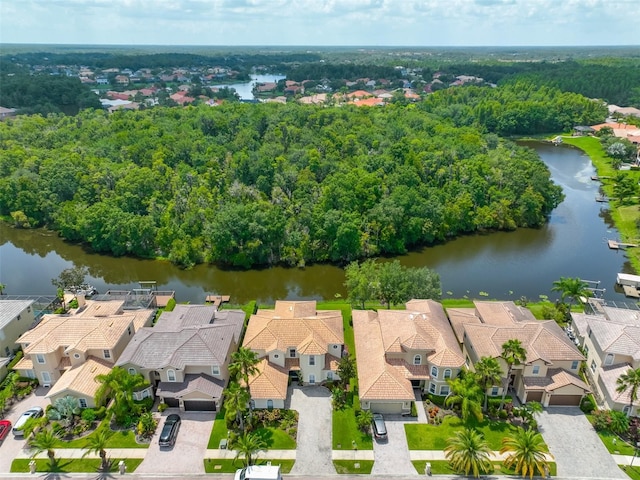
(614, 245)
(630, 291)
(217, 300)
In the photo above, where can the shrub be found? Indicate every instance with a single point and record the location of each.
(171, 304)
(502, 414)
(88, 415)
(414, 410)
(162, 407)
(101, 413)
(145, 405)
(587, 405)
(601, 420)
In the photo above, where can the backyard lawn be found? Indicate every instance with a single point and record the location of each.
(434, 437)
(71, 465)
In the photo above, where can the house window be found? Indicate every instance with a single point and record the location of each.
(608, 359)
(447, 373)
(312, 360)
(7, 352)
(145, 393)
(270, 404)
(535, 370)
(18, 317)
(575, 364)
(329, 375)
(494, 391)
(593, 366)
(171, 375)
(46, 378)
(312, 379)
(432, 388)
(467, 362)
(444, 390)
(82, 402)
(417, 360)
(275, 355)
(292, 353)
(626, 410)
(40, 358)
(215, 370)
(586, 351)
(76, 355)
(106, 354)
(132, 371)
(129, 330)
(434, 372)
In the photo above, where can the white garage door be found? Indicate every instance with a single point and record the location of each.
(386, 407)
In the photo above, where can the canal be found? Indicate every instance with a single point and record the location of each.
(503, 265)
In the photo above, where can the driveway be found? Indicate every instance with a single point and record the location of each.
(392, 455)
(314, 431)
(12, 446)
(187, 455)
(575, 445)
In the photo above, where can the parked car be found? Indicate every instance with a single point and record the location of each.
(5, 428)
(34, 412)
(259, 472)
(378, 426)
(170, 430)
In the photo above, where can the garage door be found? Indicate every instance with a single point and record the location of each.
(567, 400)
(534, 396)
(172, 402)
(386, 407)
(199, 406)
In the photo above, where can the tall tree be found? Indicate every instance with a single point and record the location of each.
(572, 288)
(97, 443)
(119, 385)
(360, 282)
(45, 441)
(346, 369)
(247, 446)
(629, 382)
(468, 453)
(236, 401)
(244, 364)
(70, 277)
(513, 353)
(526, 450)
(466, 393)
(489, 373)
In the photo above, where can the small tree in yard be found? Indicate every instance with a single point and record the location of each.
(364, 419)
(97, 443)
(346, 369)
(45, 441)
(468, 453)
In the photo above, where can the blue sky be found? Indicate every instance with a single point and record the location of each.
(322, 22)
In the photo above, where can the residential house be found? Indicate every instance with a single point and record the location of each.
(7, 113)
(294, 336)
(56, 349)
(550, 371)
(402, 353)
(16, 317)
(610, 338)
(186, 355)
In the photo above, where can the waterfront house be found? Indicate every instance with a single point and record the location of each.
(16, 317)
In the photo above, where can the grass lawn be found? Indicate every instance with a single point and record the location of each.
(345, 308)
(620, 447)
(442, 467)
(346, 431)
(119, 439)
(218, 432)
(70, 465)
(353, 466)
(276, 439)
(632, 472)
(434, 437)
(212, 465)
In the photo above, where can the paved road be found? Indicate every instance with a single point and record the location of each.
(313, 456)
(392, 456)
(575, 445)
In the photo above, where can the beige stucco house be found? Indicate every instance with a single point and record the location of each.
(294, 336)
(402, 353)
(550, 372)
(60, 344)
(16, 317)
(186, 355)
(610, 338)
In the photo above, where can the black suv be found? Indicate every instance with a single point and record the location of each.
(379, 428)
(170, 430)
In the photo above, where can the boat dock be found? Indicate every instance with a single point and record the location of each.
(630, 284)
(217, 300)
(615, 245)
(601, 199)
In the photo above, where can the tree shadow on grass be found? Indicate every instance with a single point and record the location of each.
(266, 436)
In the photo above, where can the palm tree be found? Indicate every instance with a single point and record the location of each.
(247, 445)
(526, 450)
(364, 419)
(468, 394)
(489, 374)
(119, 384)
(45, 441)
(468, 452)
(572, 288)
(514, 354)
(629, 380)
(243, 364)
(97, 443)
(236, 400)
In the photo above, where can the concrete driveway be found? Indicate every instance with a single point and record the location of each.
(392, 455)
(575, 445)
(12, 446)
(313, 455)
(187, 455)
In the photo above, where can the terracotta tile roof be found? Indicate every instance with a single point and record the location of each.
(459, 317)
(501, 313)
(201, 383)
(81, 380)
(294, 324)
(270, 382)
(556, 378)
(368, 102)
(618, 337)
(608, 379)
(25, 363)
(102, 309)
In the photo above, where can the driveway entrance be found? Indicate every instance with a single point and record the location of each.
(577, 449)
(392, 455)
(313, 456)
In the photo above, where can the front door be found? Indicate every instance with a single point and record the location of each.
(46, 378)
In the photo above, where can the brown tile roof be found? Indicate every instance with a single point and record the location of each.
(270, 382)
(206, 384)
(556, 378)
(25, 363)
(459, 317)
(611, 336)
(81, 380)
(608, 379)
(294, 324)
(105, 308)
(502, 313)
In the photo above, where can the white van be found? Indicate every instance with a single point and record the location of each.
(259, 472)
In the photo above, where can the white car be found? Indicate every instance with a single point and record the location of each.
(34, 412)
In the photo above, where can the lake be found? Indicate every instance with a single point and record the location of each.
(245, 89)
(502, 265)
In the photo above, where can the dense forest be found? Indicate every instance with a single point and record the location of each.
(247, 185)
